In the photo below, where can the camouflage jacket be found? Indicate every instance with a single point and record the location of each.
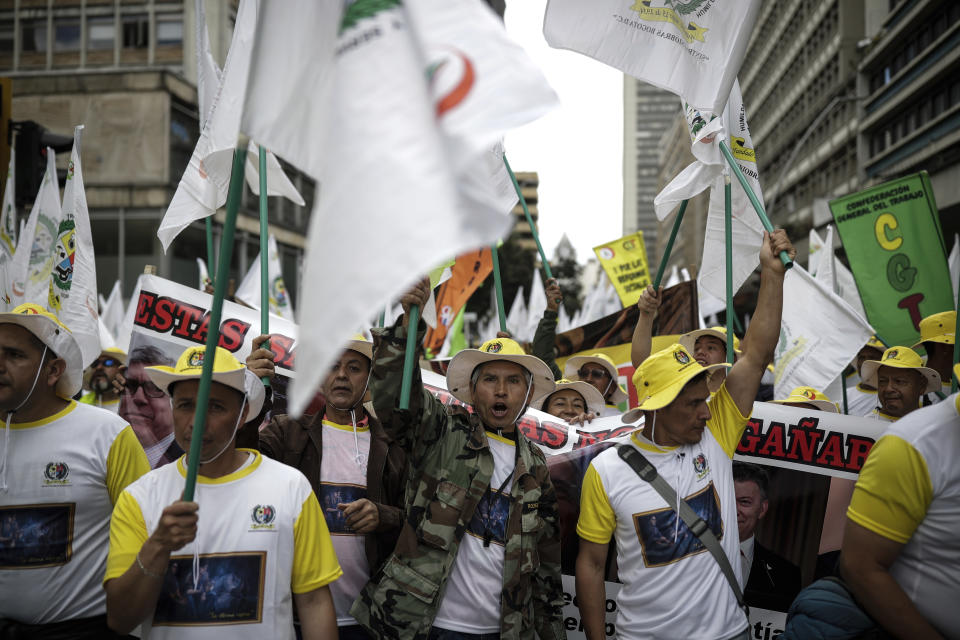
(449, 470)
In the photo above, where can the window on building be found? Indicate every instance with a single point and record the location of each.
(134, 38)
(101, 32)
(33, 35)
(6, 44)
(169, 39)
(66, 34)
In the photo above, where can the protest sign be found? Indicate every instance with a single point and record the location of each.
(625, 262)
(892, 236)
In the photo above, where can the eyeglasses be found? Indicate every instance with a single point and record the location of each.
(149, 389)
(598, 374)
(104, 362)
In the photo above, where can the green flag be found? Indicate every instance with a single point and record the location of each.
(892, 236)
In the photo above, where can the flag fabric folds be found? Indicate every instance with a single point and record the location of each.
(33, 260)
(249, 289)
(693, 49)
(390, 110)
(8, 235)
(111, 311)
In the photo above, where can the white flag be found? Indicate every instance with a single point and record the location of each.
(535, 306)
(72, 280)
(204, 275)
(693, 49)
(390, 115)
(107, 339)
(111, 311)
(517, 317)
(33, 260)
(819, 335)
(8, 217)
(835, 276)
(815, 252)
(208, 71)
(249, 289)
(953, 263)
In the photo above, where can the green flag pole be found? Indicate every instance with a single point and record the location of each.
(526, 213)
(843, 390)
(213, 327)
(669, 247)
(956, 349)
(211, 267)
(409, 356)
(382, 318)
(498, 287)
(757, 205)
(264, 259)
(728, 228)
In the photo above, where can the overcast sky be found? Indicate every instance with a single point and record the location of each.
(577, 150)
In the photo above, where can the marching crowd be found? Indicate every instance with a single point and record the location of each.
(439, 520)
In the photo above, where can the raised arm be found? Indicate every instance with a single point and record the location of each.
(545, 339)
(648, 305)
(743, 380)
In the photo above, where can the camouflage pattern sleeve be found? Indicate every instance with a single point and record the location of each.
(544, 342)
(547, 584)
(423, 420)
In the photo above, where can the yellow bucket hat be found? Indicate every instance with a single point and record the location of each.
(114, 352)
(227, 370)
(874, 342)
(809, 395)
(689, 340)
(571, 371)
(901, 358)
(591, 397)
(57, 337)
(462, 366)
(939, 327)
(660, 378)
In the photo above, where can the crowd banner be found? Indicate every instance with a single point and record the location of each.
(625, 263)
(892, 236)
(693, 49)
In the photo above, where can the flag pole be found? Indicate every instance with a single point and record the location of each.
(843, 390)
(264, 259)
(212, 267)
(728, 237)
(216, 310)
(669, 247)
(409, 356)
(382, 318)
(956, 350)
(757, 205)
(526, 213)
(498, 287)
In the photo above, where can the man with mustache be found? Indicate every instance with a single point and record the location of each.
(100, 375)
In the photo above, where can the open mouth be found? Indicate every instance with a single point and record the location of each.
(499, 410)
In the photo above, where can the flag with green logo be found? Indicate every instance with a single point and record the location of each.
(892, 236)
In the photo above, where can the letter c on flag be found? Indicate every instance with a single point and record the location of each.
(887, 221)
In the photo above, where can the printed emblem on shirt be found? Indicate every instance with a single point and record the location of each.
(56, 474)
(263, 516)
(663, 542)
(36, 535)
(489, 521)
(228, 590)
(331, 496)
(701, 466)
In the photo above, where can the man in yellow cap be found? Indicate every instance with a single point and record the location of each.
(479, 553)
(63, 465)
(862, 397)
(901, 380)
(99, 376)
(599, 370)
(671, 586)
(901, 553)
(258, 546)
(355, 470)
(937, 334)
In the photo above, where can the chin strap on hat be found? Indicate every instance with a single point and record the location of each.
(6, 430)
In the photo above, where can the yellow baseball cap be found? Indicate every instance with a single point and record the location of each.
(462, 366)
(227, 370)
(901, 358)
(571, 371)
(591, 397)
(57, 337)
(660, 378)
(809, 395)
(939, 327)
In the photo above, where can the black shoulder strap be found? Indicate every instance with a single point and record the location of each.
(645, 469)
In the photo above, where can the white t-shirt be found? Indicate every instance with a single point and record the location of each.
(672, 586)
(471, 600)
(260, 539)
(343, 478)
(861, 402)
(909, 492)
(65, 473)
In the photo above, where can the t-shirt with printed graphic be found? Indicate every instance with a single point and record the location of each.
(343, 479)
(471, 601)
(909, 492)
(260, 538)
(672, 586)
(64, 475)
